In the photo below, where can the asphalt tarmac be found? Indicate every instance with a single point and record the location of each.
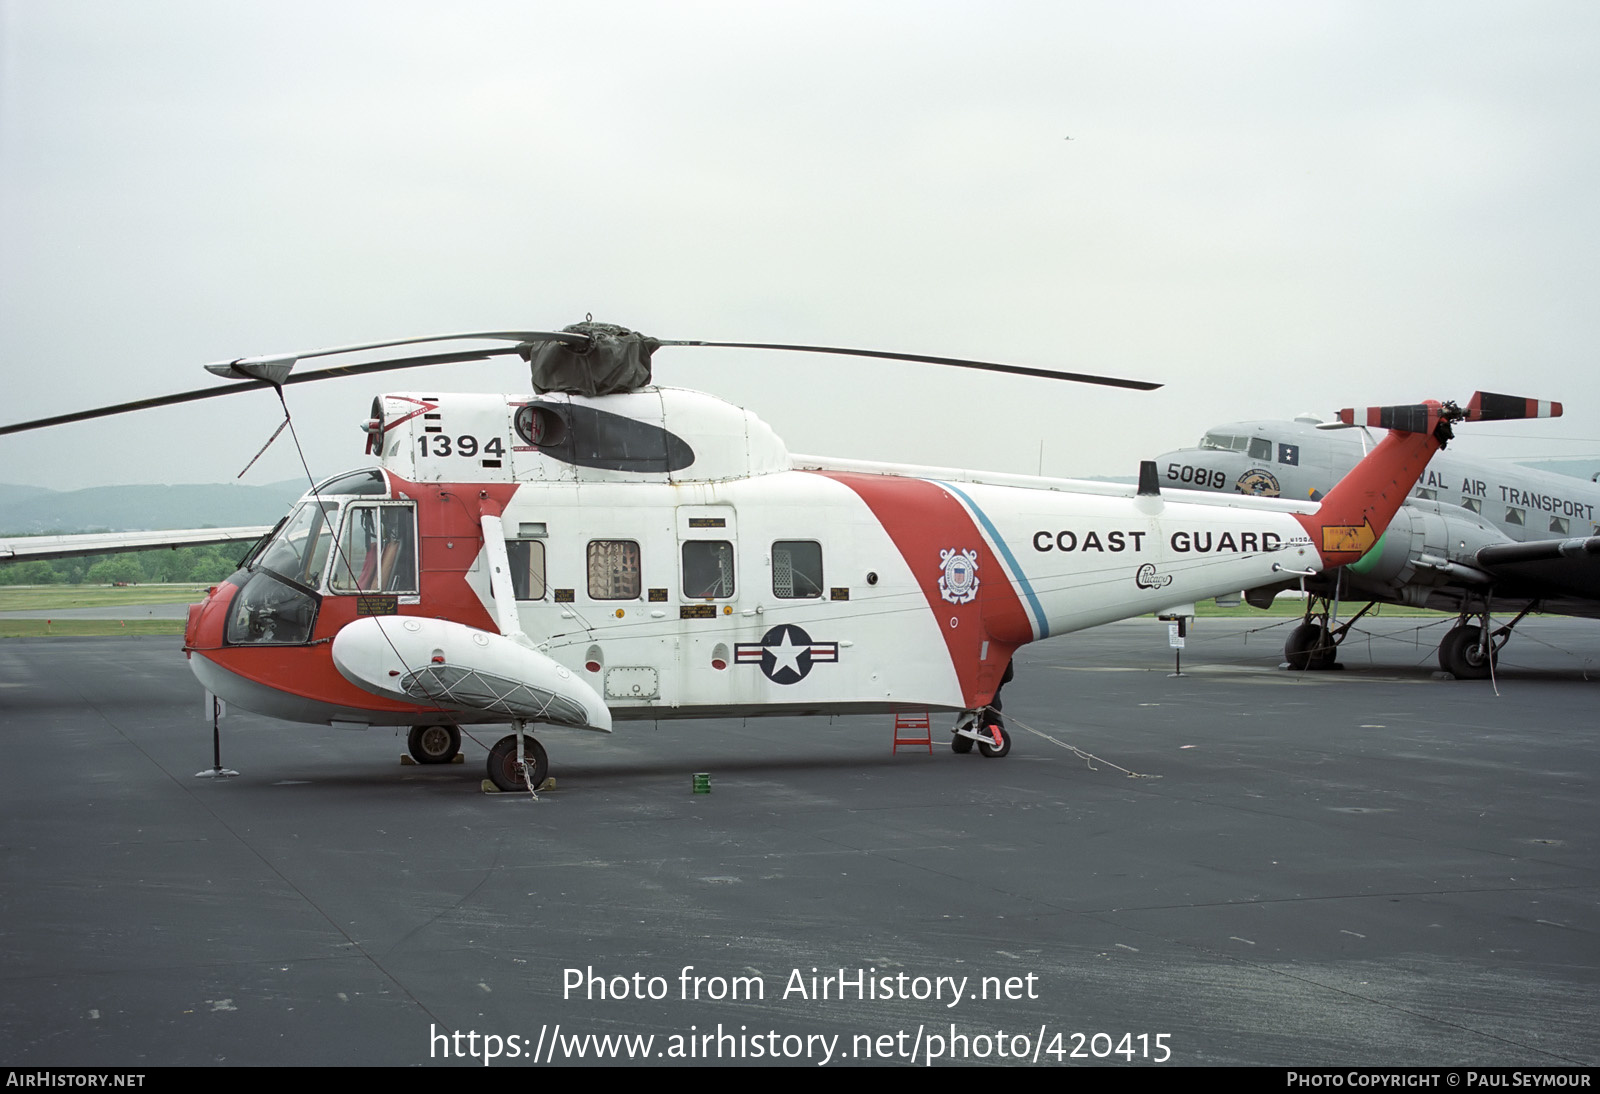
(1370, 866)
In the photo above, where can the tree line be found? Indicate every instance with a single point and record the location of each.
(201, 565)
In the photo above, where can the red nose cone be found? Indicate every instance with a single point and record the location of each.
(208, 619)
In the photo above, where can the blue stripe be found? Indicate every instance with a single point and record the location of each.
(1041, 627)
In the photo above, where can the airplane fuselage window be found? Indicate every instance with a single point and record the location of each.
(1426, 494)
(613, 569)
(1260, 448)
(1559, 525)
(1472, 504)
(707, 569)
(796, 569)
(1516, 516)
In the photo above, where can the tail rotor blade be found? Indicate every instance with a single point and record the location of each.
(1485, 406)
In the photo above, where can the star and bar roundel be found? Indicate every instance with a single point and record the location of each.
(785, 654)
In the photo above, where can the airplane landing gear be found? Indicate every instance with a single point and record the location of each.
(1464, 653)
(1309, 647)
(434, 744)
(1314, 644)
(508, 773)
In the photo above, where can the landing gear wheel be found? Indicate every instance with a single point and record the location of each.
(1003, 745)
(434, 744)
(1463, 656)
(961, 745)
(1309, 647)
(503, 763)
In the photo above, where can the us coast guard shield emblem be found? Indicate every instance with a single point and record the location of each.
(959, 583)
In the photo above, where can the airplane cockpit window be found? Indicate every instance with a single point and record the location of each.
(707, 569)
(300, 548)
(1223, 442)
(1516, 516)
(356, 482)
(614, 572)
(796, 569)
(377, 550)
(1260, 448)
(527, 568)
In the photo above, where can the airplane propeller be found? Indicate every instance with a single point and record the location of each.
(599, 346)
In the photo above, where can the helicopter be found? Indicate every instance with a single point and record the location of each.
(604, 549)
(1475, 537)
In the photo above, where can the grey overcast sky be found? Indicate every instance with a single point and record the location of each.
(1271, 207)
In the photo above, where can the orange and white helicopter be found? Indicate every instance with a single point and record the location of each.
(606, 549)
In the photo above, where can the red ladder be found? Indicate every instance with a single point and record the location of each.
(907, 723)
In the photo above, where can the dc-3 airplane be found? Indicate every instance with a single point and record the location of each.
(606, 549)
(1475, 537)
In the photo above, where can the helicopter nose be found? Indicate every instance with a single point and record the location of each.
(206, 620)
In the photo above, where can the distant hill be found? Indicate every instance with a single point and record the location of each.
(31, 510)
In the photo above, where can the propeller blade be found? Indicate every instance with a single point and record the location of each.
(958, 362)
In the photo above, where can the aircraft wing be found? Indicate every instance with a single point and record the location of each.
(28, 548)
(1550, 567)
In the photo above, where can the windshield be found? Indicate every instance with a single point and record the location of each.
(1223, 442)
(300, 548)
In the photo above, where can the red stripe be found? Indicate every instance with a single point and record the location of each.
(923, 519)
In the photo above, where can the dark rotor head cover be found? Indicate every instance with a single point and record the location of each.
(616, 359)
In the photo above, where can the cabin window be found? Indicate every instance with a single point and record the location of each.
(796, 569)
(1427, 494)
(527, 568)
(1474, 505)
(613, 569)
(1260, 448)
(378, 550)
(1559, 525)
(708, 569)
(1516, 516)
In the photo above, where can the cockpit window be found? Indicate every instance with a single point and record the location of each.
(1260, 448)
(1224, 442)
(356, 482)
(300, 548)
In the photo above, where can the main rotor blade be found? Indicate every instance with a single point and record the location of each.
(331, 373)
(986, 366)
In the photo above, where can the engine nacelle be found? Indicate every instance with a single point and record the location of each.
(1427, 544)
